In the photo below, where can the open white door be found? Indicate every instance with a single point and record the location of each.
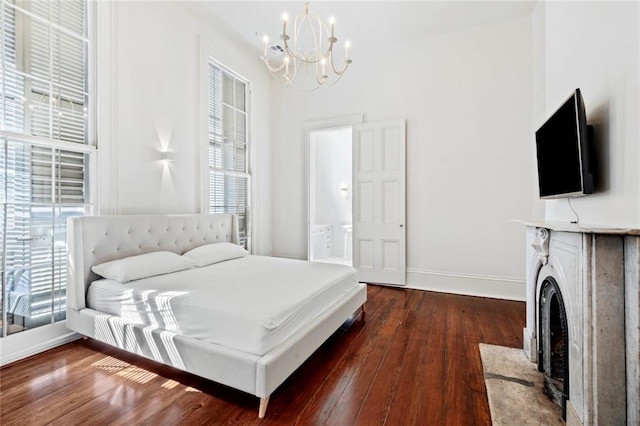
(379, 202)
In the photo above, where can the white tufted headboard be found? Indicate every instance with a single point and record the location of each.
(92, 240)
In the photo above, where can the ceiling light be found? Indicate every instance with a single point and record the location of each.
(308, 61)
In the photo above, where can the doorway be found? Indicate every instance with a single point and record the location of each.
(330, 195)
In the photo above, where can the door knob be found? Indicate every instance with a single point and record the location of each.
(401, 225)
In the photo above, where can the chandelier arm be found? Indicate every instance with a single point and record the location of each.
(329, 52)
(294, 53)
(341, 72)
(301, 56)
(295, 66)
(347, 62)
(281, 78)
(272, 68)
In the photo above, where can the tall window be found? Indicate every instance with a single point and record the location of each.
(44, 153)
(229, 176)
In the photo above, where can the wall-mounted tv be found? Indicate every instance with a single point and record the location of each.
(564, 151)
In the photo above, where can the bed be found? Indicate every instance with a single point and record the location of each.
(266, 336)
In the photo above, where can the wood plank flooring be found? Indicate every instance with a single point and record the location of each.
(413, 361)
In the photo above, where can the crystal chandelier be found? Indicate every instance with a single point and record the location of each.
(306, 59)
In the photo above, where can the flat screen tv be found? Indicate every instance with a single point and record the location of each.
(564, 151)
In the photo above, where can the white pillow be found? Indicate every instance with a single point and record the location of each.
(214, 253)
(143, 266)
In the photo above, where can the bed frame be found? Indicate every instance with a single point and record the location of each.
(92, 240)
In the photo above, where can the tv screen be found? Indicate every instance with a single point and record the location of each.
(563, 151)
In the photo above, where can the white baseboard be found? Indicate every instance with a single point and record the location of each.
(494, 287)
(467, 284)
(31, 342)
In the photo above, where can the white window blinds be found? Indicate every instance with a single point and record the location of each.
(45, 158)
(229, 176)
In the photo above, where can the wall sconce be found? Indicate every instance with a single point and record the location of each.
(166, 156)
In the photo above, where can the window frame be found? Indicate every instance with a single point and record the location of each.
(87, 148)
(206, 168)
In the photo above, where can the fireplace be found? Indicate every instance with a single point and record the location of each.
(553, 350)
(583, 320)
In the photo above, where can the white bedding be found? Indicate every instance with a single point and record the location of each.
(251, 303)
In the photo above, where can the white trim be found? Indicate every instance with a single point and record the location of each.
(253, 222)
(106, 104)
(229, 172)
(496, 287)
(48, 143)
(332, 123)
(201, 123)
(31, 342)
(307, 128)
(92, 73)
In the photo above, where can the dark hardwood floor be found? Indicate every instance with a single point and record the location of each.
(414, 360)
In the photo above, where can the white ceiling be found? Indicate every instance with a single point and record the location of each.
(365, 24)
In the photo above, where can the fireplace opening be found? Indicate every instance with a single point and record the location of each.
(553, 350)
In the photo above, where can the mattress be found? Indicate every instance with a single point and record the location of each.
(251, 304)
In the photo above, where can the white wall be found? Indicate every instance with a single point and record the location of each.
(467, 100)
(595, 46)
(538, 110)
(159, 57)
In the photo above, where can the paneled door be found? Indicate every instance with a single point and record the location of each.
(379, 233)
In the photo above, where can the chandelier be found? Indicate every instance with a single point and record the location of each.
(306, 59)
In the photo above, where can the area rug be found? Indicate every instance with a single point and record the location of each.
(515, 389)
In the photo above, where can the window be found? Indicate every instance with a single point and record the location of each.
(45, 156)
(229, 177)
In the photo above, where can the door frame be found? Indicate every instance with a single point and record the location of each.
(307, 128)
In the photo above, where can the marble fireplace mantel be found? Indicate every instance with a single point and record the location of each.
(580, 228)
(597, 269)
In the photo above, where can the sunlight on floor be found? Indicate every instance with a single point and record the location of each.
(170, 384)
(133, 373)
(125, 370)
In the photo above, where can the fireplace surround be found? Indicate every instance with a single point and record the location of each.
(587, 277)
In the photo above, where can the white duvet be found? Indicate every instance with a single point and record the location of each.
(251, 303)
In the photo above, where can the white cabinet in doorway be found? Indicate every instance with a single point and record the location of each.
(322, 236)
